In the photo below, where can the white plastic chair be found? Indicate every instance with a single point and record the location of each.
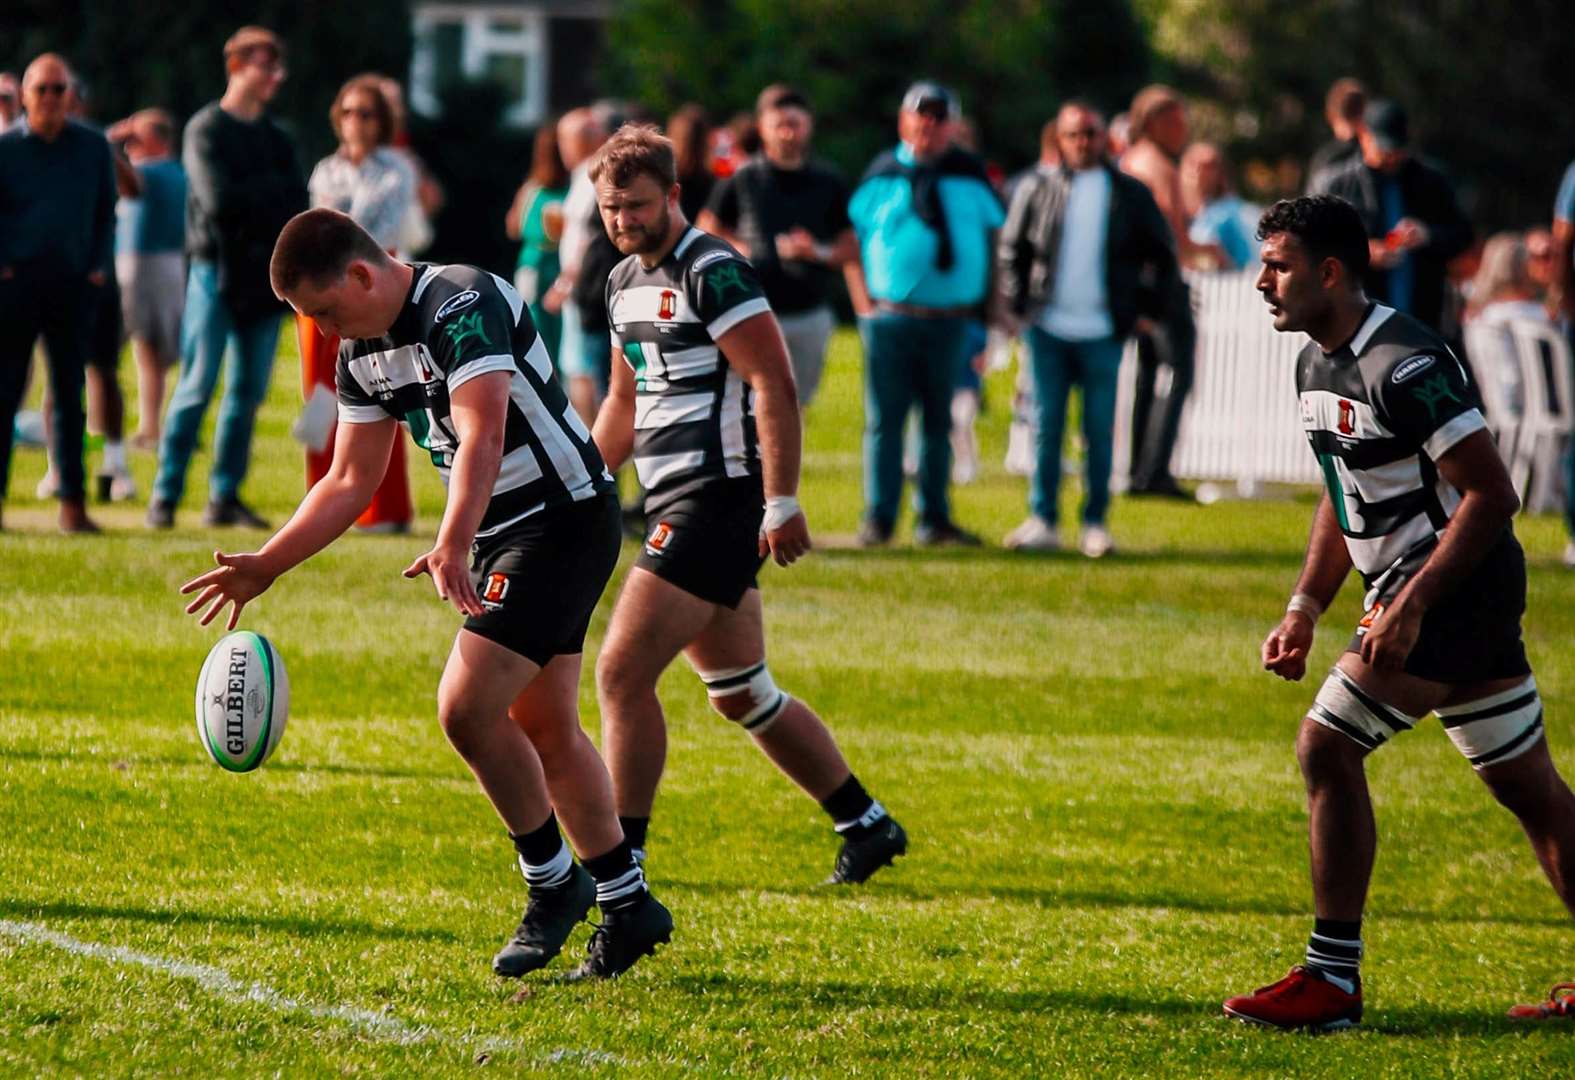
(1493, 354)
(1549, 381)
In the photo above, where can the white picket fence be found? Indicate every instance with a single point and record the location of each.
(1241, 424)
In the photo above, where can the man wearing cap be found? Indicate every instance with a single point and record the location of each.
(926, 216)
(1414, 223)
(243, 183)
(57, 233)
(789, 216)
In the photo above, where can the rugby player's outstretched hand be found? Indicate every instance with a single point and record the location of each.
(449, 568)
(1392, 637)
(788, 542)
(1285, 649)
(237, 580)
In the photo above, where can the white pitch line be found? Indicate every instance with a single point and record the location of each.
(220, 982)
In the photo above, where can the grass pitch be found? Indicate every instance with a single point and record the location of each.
(1107, 822)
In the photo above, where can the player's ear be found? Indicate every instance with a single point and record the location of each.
(359, 273)
(1331, 272)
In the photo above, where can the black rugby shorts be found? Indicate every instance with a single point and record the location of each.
(540, 579)
(1472, 634)
(707, 543)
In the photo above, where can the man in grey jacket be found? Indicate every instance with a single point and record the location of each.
(1084, 254)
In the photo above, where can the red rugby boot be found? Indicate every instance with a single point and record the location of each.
(1559, 1006)
(1303, 1000)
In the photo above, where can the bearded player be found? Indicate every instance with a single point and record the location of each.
(530, 535)
(705, 402)
(1419, 502)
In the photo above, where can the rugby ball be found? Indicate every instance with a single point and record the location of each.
(242, 698)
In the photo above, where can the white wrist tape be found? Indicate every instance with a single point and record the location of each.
(780, 509)
(1306, 605)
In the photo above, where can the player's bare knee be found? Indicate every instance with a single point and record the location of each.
(748, 696)
(462, 724)
(616, 680)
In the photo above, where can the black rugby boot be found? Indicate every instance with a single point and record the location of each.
(623, 937)
(860, 858)
(550, 917)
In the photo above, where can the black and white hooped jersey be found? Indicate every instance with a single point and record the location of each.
(1379, 412)
(457, 323)
(694, 421)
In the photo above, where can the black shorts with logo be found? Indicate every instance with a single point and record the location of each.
(707, 543)
(1472, 634)
(540, 579)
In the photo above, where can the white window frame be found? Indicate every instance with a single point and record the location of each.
(479, 41)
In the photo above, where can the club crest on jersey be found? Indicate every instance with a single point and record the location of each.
(496, 589)
(668, 308)
(1347, 424)
(660, 537)
(458, 302)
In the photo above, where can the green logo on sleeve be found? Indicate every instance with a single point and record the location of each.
(1434, 392)
(725, 280)
(464, 328)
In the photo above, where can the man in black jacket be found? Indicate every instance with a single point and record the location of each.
(243, 184)
(1414, 223)
(1084, 254)
(57, 232)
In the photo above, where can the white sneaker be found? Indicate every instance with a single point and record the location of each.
(1569, 554)
(1034, 534)
(49, 486)
(1094, 541)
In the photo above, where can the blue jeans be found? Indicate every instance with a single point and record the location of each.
(206, 328)
(907, 360)
(1058, 364)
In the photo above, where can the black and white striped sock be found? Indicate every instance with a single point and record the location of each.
(620, 883)
(1334, 950)
(852, 810)
(544, 857)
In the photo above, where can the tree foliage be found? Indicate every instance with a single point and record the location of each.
(1484, 83)
(1012, 61)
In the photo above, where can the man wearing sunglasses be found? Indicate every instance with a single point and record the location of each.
(1081, 241)
(57, 231)
(243, 184)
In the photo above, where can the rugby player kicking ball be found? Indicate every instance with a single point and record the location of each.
(529, 538)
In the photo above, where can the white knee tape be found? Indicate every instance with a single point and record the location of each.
(766, 702)
(1345, 707)
(1495, 729)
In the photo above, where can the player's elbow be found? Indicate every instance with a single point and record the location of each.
(1498, 498)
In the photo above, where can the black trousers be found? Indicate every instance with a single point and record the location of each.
(1156, 421)
(60, 309)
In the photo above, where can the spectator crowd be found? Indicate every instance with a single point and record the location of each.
(142, 233)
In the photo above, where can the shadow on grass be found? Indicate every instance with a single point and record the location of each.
(196, 762)
(1097, 898)
(296, 925)
(1404, 1022)
(842, 995)
(835, 548)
